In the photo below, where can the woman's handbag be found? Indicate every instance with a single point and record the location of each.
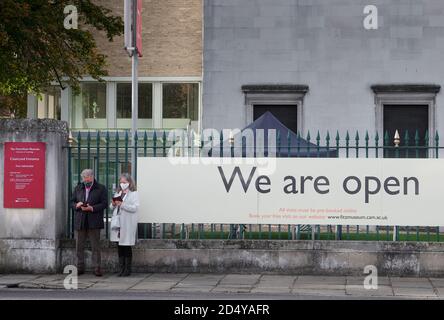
(115, 221)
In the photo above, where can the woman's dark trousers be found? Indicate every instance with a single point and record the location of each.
(125, 260)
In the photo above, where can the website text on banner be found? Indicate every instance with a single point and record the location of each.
(388, 192)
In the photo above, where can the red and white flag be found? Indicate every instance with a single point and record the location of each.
(133, 35)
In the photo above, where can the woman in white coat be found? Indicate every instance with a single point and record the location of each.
(125, 207)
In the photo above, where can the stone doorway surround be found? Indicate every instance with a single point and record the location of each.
(406, 94)
(275, 94)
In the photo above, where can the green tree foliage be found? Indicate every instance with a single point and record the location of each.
(13, 106)
(36, 49)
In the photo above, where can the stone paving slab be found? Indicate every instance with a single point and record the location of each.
(17, 278)
(319, 286)
(278, 278)
(323, 292)
(437, 283)
(153, 286)
(419, 283)
(406, 279)
(359, 290)
(193, 289)
(232, 289)
(113, 287)
(240, 279)
(196, 284)
(50, 278)
(384, 281)
(201, 280)
(50, 285)
(414, 292)
(158, 277)
(276, 281)
(271, 285)
(440, 292)
(116, 279)
(117, 283)
(206, 276)
(271, 290)
(321, 280)
(34, 285)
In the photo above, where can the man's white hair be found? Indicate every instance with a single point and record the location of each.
(87, 173)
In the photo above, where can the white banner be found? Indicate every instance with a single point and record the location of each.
(402, 192)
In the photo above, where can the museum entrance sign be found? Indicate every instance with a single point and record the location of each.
(24, 175)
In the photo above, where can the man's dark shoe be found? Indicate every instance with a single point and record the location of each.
(80, 270)
(98, 272)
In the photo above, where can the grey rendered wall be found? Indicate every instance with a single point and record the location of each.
(323, 44)
(29, 238)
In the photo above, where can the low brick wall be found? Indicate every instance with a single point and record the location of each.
(275, 257)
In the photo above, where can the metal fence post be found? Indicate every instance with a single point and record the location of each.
(107, 181)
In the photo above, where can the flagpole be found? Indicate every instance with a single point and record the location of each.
(134, 91)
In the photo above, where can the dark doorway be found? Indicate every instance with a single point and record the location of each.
(407, 119)
(287, 114)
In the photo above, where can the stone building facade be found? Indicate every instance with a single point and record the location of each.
(316, 61)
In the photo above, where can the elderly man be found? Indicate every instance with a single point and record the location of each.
(88, 200)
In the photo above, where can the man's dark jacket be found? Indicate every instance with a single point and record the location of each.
(98, 199)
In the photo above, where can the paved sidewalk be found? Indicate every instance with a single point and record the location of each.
(234, 284)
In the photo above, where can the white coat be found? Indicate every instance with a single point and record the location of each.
(128, 220)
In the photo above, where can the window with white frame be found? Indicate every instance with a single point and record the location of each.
(89, 106)
(180, 105)
(161, 104)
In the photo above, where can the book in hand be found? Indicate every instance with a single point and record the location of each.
(117, 198)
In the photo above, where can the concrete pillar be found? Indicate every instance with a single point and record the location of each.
(157, 105)
(29, 238)
(66, 104)
(32, 106)
(111, 105)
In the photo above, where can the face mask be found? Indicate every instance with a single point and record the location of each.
(124, 186)
(88, 184)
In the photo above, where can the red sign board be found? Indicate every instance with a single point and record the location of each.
(24, 179)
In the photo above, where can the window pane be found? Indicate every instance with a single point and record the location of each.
(288, 115)
(407, 120)
(124, 101)
(180, 101)
(54, 98)
(49, 105)
(89, 107)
